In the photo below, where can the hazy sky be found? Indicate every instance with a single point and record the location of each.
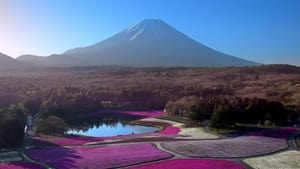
(266, 31)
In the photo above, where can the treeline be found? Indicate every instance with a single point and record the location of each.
(227, 111)
(54, 107)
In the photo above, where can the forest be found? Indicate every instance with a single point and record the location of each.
(268, 94)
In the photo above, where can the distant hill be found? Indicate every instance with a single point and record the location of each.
(149, 43)
(8, 63)
(53, 60)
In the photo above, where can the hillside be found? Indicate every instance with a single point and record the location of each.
(10, 64)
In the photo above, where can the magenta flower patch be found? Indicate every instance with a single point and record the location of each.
(193, 164)
(243, 146)
(98, 157)
(169, 130)
(64, 141)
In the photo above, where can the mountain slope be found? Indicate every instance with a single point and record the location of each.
(154, 43)
(148, 43)
(8, 63)
(52, 60)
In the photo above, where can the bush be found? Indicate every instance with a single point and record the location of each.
(52, 125)
(268, 123)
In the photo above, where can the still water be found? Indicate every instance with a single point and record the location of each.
(119, 128)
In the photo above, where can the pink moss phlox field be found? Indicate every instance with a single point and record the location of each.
(20, 165)
(282, 133)
(243, 146)
(193, 164)
(98, 157)
(64, 141)
(169, 130)
(76, 140)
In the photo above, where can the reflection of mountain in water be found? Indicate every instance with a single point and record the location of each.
(108, 119)
(107, 125)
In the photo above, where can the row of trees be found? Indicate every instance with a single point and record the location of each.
(224, 111)
(54, 107)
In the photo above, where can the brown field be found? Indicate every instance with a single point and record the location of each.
(273, 82)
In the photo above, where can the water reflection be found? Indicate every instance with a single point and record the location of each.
(107, 125)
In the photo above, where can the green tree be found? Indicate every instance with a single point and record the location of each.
(52, 125)
(197, 111)
(223, 116)
(11, 128)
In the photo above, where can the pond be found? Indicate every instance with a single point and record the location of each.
(113, 130)
(108, 125)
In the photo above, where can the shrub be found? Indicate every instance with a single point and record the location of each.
(52, 125)
(268, 123)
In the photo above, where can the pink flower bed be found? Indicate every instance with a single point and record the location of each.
(64, 141)
(193, 164)
(283, 133)
(169, 130)
(243, 146)
(98, 157)
(20, 165)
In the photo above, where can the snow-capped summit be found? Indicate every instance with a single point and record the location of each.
(148, 27)
(152, 42)
(154, 25)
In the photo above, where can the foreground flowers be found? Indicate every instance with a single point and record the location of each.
(234, 147)
(193, 164)
(255, 143)
(98, 157)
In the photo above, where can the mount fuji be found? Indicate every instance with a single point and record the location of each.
(148, 43)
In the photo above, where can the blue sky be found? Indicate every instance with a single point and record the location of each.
(266, 31)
